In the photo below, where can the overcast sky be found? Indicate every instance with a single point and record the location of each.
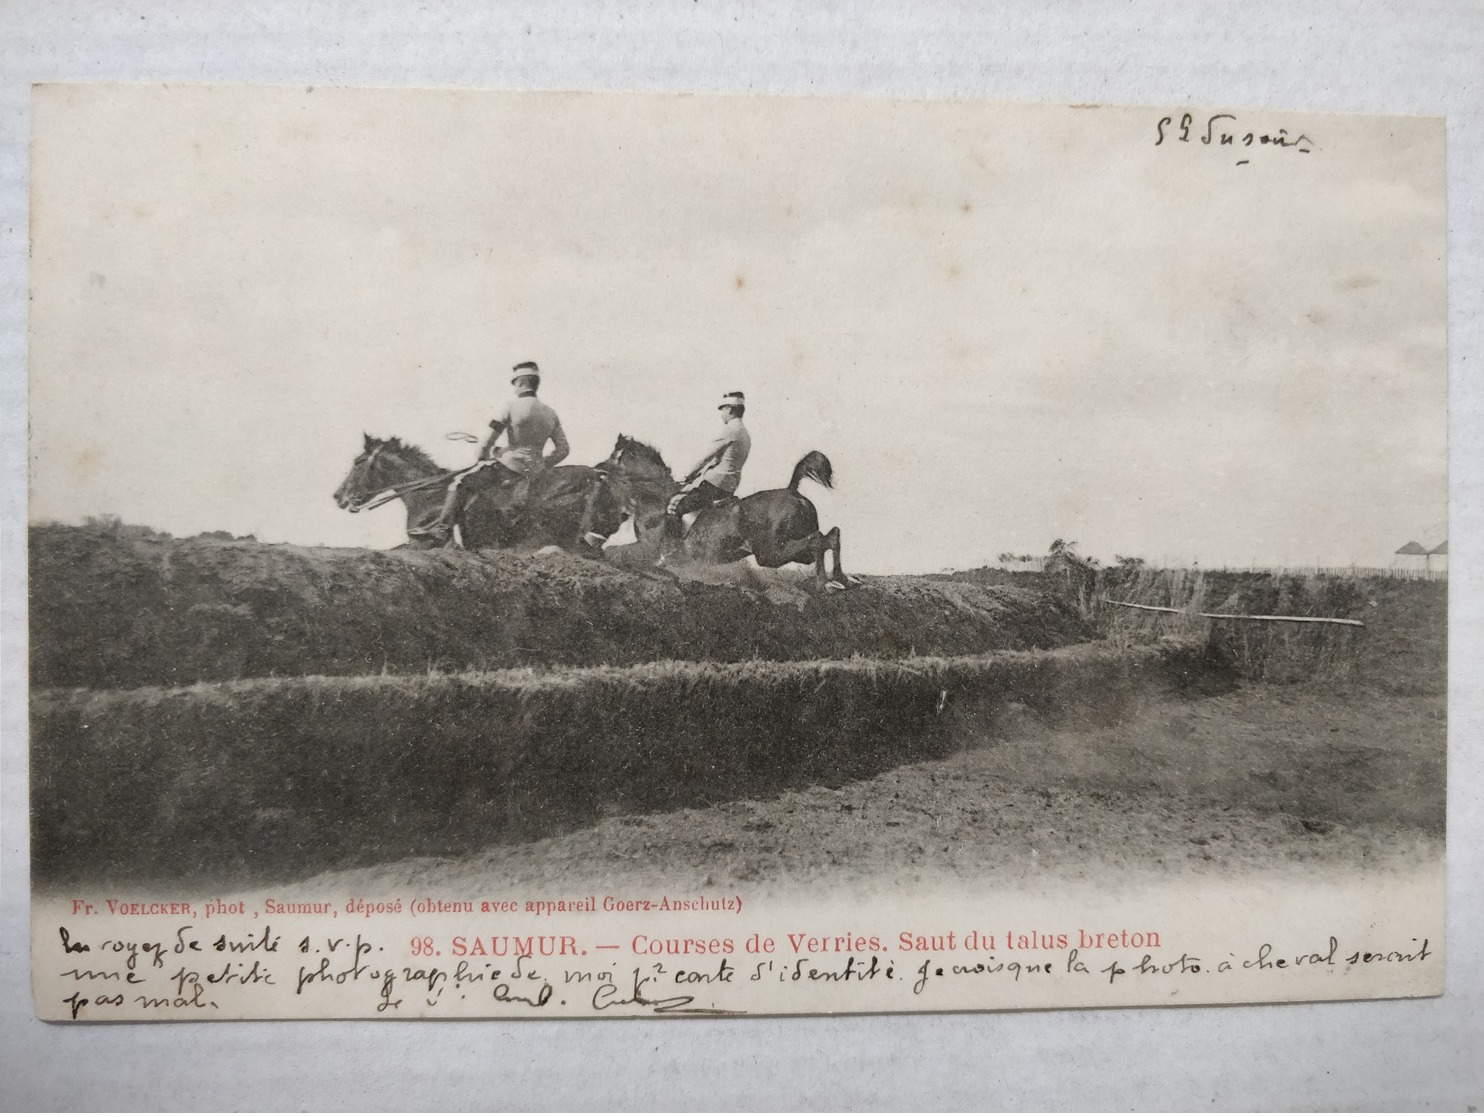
(1003, 324)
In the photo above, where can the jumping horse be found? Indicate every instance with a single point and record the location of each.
(774, 526)
(569, 506)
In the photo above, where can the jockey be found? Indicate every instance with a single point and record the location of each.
(716, 476)
(528, 425)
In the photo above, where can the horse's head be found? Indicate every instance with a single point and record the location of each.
(367, 476)
(636, 461)
(382, 464)
(614, 460)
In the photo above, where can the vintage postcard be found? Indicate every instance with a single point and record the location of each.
(571, 555)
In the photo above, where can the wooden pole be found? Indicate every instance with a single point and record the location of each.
(1237, 616)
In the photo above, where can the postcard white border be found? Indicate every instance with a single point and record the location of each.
(1392, 58)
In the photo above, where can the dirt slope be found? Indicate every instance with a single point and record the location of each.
(125, 607)
(1262, 778)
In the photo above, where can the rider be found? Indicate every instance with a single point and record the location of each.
(717, 475)
(528, 424)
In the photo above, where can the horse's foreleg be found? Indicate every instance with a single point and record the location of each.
(590, 540)
(422, 511)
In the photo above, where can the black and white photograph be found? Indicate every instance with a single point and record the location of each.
(500, 554)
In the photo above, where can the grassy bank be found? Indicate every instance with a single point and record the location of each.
(125, 607)
(1402, 650)
(276, 777)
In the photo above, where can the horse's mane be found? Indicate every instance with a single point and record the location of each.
(645, 450)
(413, 455)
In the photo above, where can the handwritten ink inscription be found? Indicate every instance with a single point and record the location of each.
(1222, 129)
(99, 967)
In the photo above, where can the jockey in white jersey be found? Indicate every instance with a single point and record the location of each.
(528, 425)
(719, 472)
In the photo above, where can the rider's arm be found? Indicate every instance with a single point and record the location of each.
(488, 449)
(712, 456)
(497, 428)
(559, 447)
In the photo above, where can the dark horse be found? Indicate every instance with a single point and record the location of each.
(774, 526)
(568, 505)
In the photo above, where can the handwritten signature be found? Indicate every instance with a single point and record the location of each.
(1221, 130)
(608, 995)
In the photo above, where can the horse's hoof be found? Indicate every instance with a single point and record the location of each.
(834, 587)
(854, 581)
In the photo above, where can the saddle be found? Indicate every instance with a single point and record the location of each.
(713, 502)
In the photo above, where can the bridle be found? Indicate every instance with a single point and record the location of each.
(395, 492)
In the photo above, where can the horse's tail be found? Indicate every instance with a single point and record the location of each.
(814, 466)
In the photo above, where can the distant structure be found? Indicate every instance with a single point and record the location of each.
(1440, 549)
(1412, 549)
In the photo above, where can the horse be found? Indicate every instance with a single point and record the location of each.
(569, 506)
(774, 526)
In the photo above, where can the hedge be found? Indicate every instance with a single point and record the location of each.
(268, 777)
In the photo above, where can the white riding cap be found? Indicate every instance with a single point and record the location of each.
(732, 399)
(526, 368)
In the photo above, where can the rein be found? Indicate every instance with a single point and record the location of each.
(386, 496)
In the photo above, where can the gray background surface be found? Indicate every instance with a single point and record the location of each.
(1398, 58)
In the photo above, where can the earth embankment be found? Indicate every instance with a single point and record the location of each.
(119, 607)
